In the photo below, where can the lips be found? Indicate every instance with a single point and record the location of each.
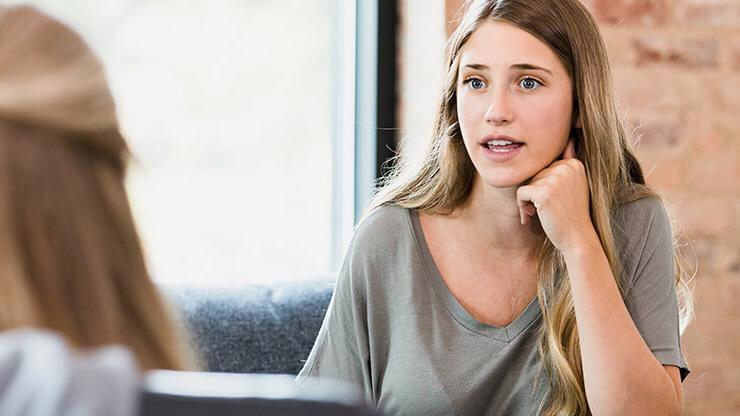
(500, 142)
(504, 148)
(501, 148)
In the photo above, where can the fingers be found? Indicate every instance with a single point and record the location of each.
(525, 201)
(536, 190)
(527, 212)
(570, 150)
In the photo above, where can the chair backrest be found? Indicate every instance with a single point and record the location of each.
(181, 393)
(267, 328)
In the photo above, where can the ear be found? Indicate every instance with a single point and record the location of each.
(579, 123)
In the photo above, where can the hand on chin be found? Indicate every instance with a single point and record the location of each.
(559, 197)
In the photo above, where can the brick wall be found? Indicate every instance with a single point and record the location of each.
(676, 66)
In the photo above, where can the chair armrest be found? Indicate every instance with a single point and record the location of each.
(183, 393)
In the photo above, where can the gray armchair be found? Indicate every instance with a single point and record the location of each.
(249, 330)
(254, 328)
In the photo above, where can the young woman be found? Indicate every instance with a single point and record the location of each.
(525, 268)
(70, 257)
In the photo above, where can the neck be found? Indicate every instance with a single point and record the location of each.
(492, 215)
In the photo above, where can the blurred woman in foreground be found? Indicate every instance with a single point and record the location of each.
(70, 259)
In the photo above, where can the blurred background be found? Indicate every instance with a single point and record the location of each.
(259, 126)
(229, 109)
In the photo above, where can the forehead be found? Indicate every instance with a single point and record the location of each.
(502, 44)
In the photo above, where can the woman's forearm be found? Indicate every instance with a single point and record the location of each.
(621, 374)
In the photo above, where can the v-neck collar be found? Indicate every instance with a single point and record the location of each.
(506, 333)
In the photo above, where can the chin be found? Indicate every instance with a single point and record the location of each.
(512, 174)
(500, 180)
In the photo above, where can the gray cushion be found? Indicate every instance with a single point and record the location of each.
(254, 328)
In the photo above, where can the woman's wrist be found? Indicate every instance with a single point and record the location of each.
(585, 246)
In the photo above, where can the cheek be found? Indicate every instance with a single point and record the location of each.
(467, 115)
(550, 120)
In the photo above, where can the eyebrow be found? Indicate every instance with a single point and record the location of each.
(481, 67)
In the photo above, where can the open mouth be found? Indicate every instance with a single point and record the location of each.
(502, 146)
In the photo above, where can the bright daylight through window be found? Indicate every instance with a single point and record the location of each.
(227, 106)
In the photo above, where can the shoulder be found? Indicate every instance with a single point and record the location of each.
(105, 378)
(641, 217)
(379, 234)
(643, 236)
(382, 225)
(31, 342)
(385, 216)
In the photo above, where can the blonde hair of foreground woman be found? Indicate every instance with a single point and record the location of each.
(615, 177)
(70, 257)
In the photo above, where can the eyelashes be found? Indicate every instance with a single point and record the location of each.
(526, 83)
(532, 82)
(473, 82)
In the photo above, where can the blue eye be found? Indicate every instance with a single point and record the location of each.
(530, 84)
(475, 83)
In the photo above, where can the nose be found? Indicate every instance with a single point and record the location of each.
(499, 111)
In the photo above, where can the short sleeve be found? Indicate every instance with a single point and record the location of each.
(341, 350)
(651, 295)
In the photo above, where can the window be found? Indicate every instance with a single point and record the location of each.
(236, 112)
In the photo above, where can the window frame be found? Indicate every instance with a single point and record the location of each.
(367, 58)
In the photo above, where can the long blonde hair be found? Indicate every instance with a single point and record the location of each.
(70, 257)
(444, 180)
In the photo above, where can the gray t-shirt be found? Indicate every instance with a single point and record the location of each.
(394, 328)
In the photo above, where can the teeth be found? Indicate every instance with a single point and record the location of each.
(498, 142)
(500, 150)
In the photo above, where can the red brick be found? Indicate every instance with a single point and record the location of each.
(712, 160)
(713, 381)
(708, 12)
(703, 217)
(703, 408)
(618, 46)
(641, 91)
(707, 136)
(713, 175)
(733, 52)
(631, 12)
(687, 53)
(662, 173)
(714, 335)
(453, 12)
(659, 134)
(712, 390)
(714, 258)
(712, 347)
(721, 89)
